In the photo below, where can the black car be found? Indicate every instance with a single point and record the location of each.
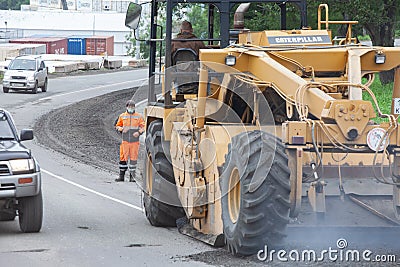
(20, 178)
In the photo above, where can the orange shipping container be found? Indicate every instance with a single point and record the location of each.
(100, 45)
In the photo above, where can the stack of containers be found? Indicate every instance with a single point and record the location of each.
(74, 45)
(54, 45)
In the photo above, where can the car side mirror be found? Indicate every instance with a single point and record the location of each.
(26, 134)
(40, 69)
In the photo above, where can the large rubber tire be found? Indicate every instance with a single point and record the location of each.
(162, 206)
(34, 90)
(8, 215)
(257, 217)
(30, 212)
(44, 87)
(6, 89)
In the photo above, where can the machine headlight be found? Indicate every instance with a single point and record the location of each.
(380, 58)
(7, 77)
(22, 166)
(230, 60)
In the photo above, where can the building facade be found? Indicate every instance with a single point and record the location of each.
(61, 23)
(82, 5)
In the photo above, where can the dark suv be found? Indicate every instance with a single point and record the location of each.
(20, 178)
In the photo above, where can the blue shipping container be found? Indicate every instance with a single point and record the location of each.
(77, 45)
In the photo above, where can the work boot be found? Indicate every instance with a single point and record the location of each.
(131, 177)
(121, 177)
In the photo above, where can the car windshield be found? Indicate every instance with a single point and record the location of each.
(22, 64)
(6, 132)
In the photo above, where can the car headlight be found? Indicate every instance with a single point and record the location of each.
(7, 77)
(31, 78)
(22, 166)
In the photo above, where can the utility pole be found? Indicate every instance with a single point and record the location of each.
(137, 50)
(64, 4)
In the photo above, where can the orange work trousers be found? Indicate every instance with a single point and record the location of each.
(128, 150)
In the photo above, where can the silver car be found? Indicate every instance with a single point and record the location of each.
(26, 73)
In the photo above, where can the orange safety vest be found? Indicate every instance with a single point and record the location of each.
(129, 147)
(130, 123)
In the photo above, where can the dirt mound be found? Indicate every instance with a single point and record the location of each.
(85, 130)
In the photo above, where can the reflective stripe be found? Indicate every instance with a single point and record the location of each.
(132, 164)
(130, 117)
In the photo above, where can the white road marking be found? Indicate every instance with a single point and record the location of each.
(144, 101)
(81, 186)
(141, 102)
(89, 89)
(93, 191)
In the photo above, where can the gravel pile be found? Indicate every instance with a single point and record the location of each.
(85, 130)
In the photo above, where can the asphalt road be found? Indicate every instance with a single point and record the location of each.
(90, 220)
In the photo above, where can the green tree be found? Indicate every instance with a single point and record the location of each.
(262, 17)
(12, 4)
(266, 16)
(142, 33)
(198, 16)
(378, 17)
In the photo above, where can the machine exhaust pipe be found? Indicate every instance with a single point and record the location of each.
(238, 18)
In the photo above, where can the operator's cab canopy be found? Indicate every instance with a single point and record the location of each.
(211, 23)
(217, 23)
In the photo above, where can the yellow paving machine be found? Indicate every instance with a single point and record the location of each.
(236, 139)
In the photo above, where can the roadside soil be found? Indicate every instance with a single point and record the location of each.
(90, 72)
(85, 130)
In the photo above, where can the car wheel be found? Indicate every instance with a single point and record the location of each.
(44, 87)
(30, 212)
(35, 89)
(6, 89)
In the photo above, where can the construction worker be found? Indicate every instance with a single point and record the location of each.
(186, 32)
(131, 125)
